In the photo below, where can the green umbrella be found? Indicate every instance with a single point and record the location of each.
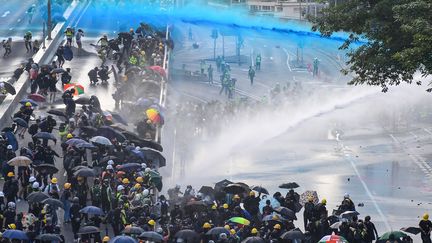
(396, 234)
(239, 220)
(155, 179)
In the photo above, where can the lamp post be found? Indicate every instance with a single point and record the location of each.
(49, 20)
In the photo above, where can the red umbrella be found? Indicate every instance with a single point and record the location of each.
(159, 70)
(37, 97)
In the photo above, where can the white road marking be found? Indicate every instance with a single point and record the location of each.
(5, 14)
(288, 59)
(427, 130)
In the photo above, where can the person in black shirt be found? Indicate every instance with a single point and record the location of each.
(372, 233)
(426, 228)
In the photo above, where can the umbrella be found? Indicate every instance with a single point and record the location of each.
(206, 190)
(133, 230)
(336, 225)
(75, 141)
(304, 197)
(123, 239)
(151, 236)
(85, 172)
(260, 189)
(101, 140)
(82, 101)
(195, 206)
(58, 70)
(144, 102)
(142, 142)
(37, 97)
(15, 235)
(85, 146)
(53, 202)
(32, 102)
(79, 167)
(189, 236)
(92, 210)
(49, 237)
(155, 116)
(273, 202)
(239, 220)
(222, 184)
(215, 232)
(411, 230)
(159, 70)
(20, 161)
(88, 230)
(57, 112)
(79, 89)
(36, 197)
(289, 185)
(9, 88)
(333, 239)
(272, 217)
(46, 169)
(45, 135)
(111, 133)
(88, 130)
(155, 179)
(234, 188)
(129, 167)
(105, 159)
(20, 122)
(396, 234)
(154, 156)
(295, 234)
(286, 212)
(253, 239)
(118, 118)
(349, 214)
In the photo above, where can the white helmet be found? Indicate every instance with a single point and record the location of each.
(109, 167)
(120, 188)
(1, 194)
(159, 230)
(32, 179)
(110, 162)
(11, 204)
(147, 170)
(143, 165)
(9, 147)
(137, 148)
(146, 192)
(35, 185)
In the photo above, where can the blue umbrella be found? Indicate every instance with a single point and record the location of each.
(10, 137)
(138, 153)
(45, 135)
(74, 141)
(92, 210)
(85, 145)
(273, 202)
(20, 122)
(130, 167)
(15, 235)
(23, 101)
(123, 239)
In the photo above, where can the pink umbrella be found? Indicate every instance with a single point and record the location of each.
(37, 97)
(159, 70)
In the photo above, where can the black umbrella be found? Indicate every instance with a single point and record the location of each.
(154, 156)
(45, 135)
(349, 214)
(206, 190)
(58, 70)
(111, 133)
(133, 230)
(88, 230)
(260, 189)
(143, 143)
(49, 237)
(57, 112)
(289, 185)
(118, 118)
(187, 235)
(253, 239)
(130, 167)
(222, 184)
(151, 236)
(36, 197)
(235, 188)
(79, 167)
(86, 146)
(85, 172)
(83, 100)
(294, 234)
(89, 130)
(53, 202)
(105, 159)
(46, 169)
(9, 88)
(215, 232)
(411, 230)
(195, 206)
(286, 213)
(20, 122)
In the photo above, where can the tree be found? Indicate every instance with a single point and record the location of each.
(398, 37)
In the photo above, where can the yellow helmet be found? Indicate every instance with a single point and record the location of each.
(324, 201)
(225, 206)
(125, 181)
(214, 206)
(105, 239)
(54, 180)
(206, 225)
(251, 193)
(277, 226)
(10, 174)
(12, 226)
(425, 216)
(139, 179)
(254, 231)
(227, 227)
(69, 136)
(151, 222)
(67, 185)
(28, 104)
(137, 186)
(236, 196)
(232, 231)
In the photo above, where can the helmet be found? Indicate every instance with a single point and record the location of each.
(28, 104)
(151, 222)
(206, 225)
(236, 196)
(12, 226)
(225, 206)
(324, 201)
(254, 231)
(232, 231)
(143, 165)
(346, 196)
(146, 192)
(69, 136)
(223, 236)
(110, 162)
(75, 200)
(425, 216)
(277, 226)
(109, 167)
(11, 204)
(1, 194)
(10, 174)
(252, 193)
(54, 180)
(125, 181)
(120, 187)
(35, 185)
(227, 227)
(105, 239)
(32, 179)
(67, 185)
(9, 147)
(159, 230)
(137, 186)
(137, 148)
(147, 170)
(139, 179)
(214, 206)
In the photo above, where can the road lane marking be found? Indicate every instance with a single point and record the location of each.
(5, 14)
(288, 59)
(427, 130)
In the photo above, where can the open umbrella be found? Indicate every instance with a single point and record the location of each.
(85, 146)
(9, 88)
(187, 235)
(333, 239)
(37, 97)
(83, 100)
(304, 197)
(207, 190)
(79, 89)
(101, 140)
(53, 202)
(349, 214)
(74, 141)
(195, 206)
(45, 135)
(154, 156)
(111, 133)
(215, 232)
(253, 239)
(20, 122)
(289, 185)
(36, 197)
(92, 210)
(222, 184)
(411, 230)
(235, 188)
(15, 235)
(273, 218)
(155, 179)
(286, 213)
(20, 161)
(151, 236)
(85, 172)
(295, 234)
(239, 220)
(123, 239)
(133, 230)
(159, 70)
(130, 167)
(46, 169)
(32, 102)
(88, 230)
(58, 112)
(105, 159)
(273, 202)
(137, 140)
(155, 116)
(260, 189)
(118, 118)
(396, 234)
(49, 237)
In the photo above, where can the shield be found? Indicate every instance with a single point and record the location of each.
(88, 230)
(206, 190)
(253, 239)
(20, 122)
(128, 167)
(9, 88)
(222, 184)
(304, 197)
(289, 185)
(32, 102)
(260, 189)
(45, 135)
(349, 214)
(151, 236)
(215, 232)
(187, 235)
(411, 230)
(133, 230)
(101, 141)
(15, 235)
(92, 210)
(37, 97)
(36, 197)
(20, 161)
(53, 202)
(123, 239)
(295, 234)
(85, 172)
(286, 213)
(46, 169)
(195, 206)
(83, 100)
(154, 156)
(239, 220)
(49, 237)
(235, 188)
(111, 133)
